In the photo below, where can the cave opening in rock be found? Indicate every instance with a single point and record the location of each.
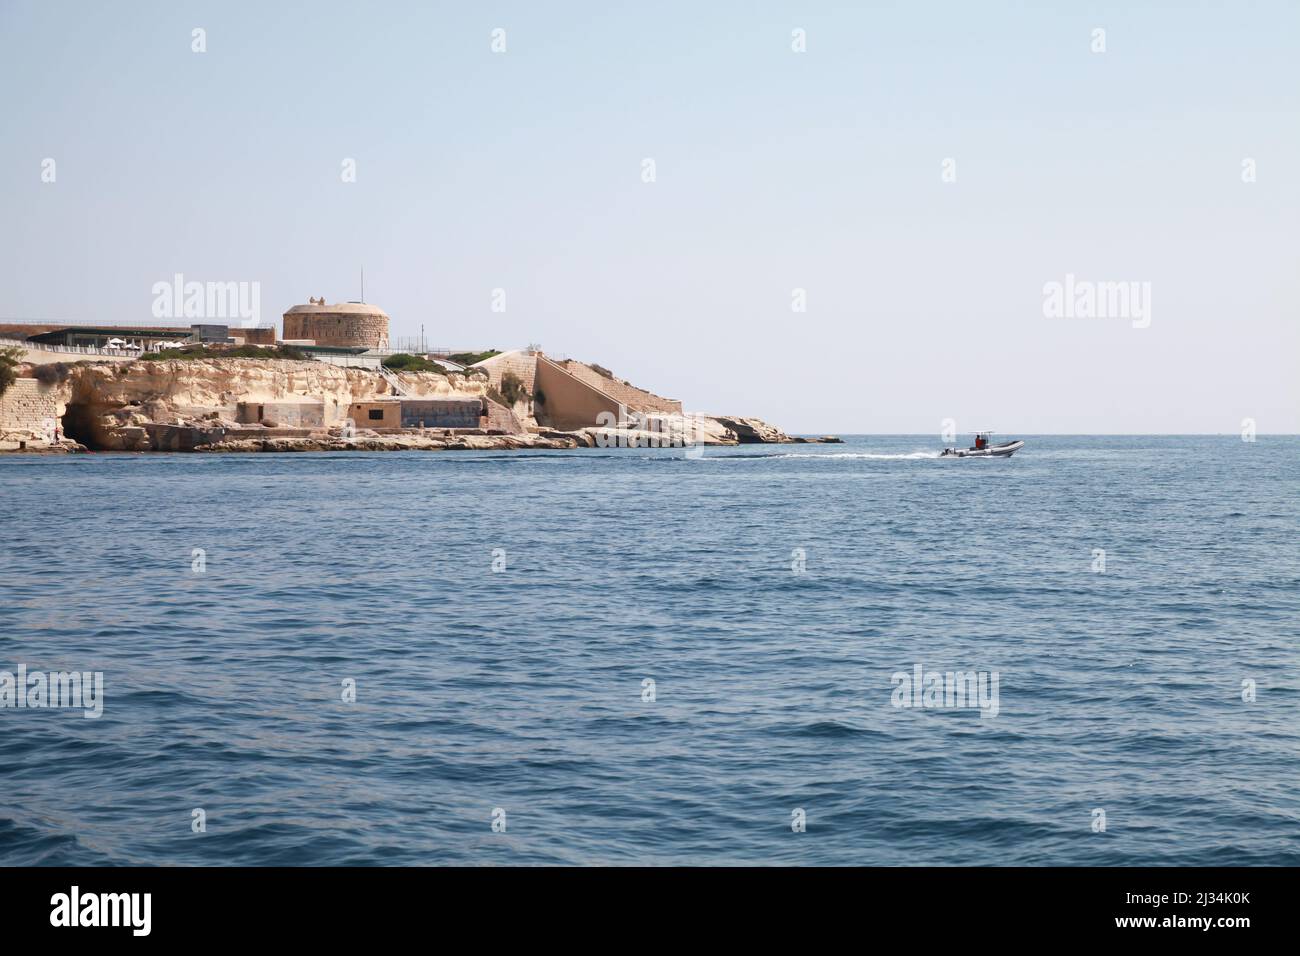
(79, 425)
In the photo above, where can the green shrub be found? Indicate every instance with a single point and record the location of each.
(283, 352)
(512, 387)
(10, 358)
(472, 358)
(403, 362)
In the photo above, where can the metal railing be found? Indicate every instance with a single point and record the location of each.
(422, 347)
(393, 380)
(70, 349)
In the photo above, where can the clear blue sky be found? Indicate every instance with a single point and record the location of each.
(775, 171)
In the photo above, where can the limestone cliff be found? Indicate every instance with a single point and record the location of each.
(187, 387)
(184, 404)
(109, 406)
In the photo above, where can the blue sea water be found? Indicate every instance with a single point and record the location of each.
(521, 690)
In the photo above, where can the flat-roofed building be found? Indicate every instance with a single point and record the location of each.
(378, 412)
(146, 336)
(419, 411)
(101, 336)
(253, 334)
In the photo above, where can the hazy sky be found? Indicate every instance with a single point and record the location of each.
(774, 171)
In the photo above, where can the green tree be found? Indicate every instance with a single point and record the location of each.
(10, 358)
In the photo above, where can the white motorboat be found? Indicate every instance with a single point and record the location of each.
(984, 448)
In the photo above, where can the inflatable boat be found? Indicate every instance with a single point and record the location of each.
(984, 449)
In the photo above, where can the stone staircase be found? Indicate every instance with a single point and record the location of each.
(393, 380)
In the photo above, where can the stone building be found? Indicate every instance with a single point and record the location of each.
(345, 324)
(405, 411)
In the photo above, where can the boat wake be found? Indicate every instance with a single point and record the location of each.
(868, 456)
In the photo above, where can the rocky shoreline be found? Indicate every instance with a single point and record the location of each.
(253, 445)
(243, 443)
(457, 442)
(191, 406)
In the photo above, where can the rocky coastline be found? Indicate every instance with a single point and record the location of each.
(191, 406)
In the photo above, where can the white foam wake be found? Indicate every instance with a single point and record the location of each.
(863, 455)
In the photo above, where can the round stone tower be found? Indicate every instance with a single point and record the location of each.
(348, 324)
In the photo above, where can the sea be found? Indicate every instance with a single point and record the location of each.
(856, 654)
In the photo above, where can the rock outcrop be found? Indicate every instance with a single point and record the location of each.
(663, 431)
(111, 406)
(375, 442)
(749, 430)
(752, 430)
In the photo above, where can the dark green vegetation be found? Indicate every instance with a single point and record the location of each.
(10, 357)
(284, 352)
(402, 362)
(472, 358)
